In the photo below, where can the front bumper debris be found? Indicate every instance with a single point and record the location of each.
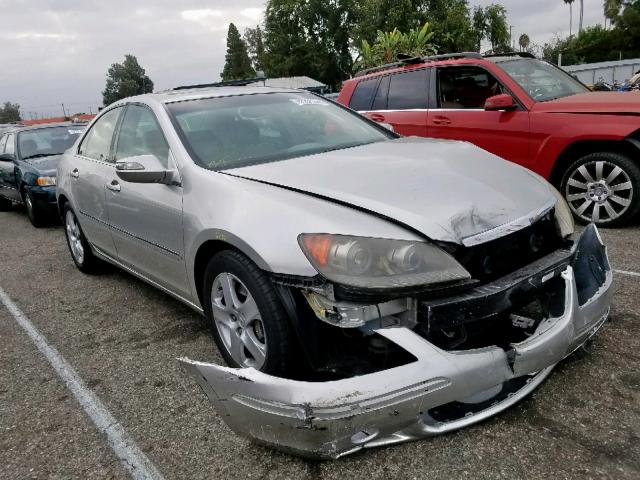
(441, 391)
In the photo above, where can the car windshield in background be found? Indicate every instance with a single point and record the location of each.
(230, 132)
(49, 141)
(541, 80)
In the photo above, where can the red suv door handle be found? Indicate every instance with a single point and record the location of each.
(441, 120)
(376, 117)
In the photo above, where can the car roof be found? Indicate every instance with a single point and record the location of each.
(197, 93)
(41, 126)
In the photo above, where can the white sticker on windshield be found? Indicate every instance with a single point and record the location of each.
(74, 132)
(308, 101)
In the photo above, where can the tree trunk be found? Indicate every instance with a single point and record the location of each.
(570, 18)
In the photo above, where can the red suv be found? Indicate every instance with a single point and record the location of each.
(524, 110)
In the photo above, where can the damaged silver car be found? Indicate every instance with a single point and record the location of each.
(364, 289)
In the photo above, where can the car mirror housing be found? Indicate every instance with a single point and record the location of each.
(504, 101)
(145, 169)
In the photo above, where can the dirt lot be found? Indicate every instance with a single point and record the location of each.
(122, 337)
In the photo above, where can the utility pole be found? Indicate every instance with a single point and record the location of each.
(64, 113)
(511, 37)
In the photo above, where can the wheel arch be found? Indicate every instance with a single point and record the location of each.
(62, 199)
(629, 146)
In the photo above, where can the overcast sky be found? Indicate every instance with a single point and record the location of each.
(58, 51)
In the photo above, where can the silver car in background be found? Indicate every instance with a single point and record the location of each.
(364, 289)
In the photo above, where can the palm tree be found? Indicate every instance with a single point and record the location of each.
(570, 2)
(524, 42)
(611, 10)
(581, 15)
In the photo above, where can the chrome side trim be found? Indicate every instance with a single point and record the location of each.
(108, 258)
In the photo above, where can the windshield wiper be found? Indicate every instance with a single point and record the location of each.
(39, 155)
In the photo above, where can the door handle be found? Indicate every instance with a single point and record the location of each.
(114, 186)
(376, 117)
(75, 173)
(441, 120)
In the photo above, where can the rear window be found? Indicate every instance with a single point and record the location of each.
(408, 90)
(363, 94)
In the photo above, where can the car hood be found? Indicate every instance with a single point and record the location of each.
(45, 165)
(446, 190)
(624, 103)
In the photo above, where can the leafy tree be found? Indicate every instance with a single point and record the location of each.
(497, 30)
(255, 47)
(237, 62)
(124, 80)
(524, 42)
(309, 37)
(10, 112)
(416, 42)
(480, 27)
(611, 10)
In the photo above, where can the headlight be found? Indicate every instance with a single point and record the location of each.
(46, 181)
(564, 217)
(379, 263)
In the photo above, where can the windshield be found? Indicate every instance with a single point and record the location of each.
(541, 80)
(47, 141)
(230, 132)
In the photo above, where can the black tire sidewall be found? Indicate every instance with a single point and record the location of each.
(5, 204)
(34, 214)
(624, 162)
(278, 331)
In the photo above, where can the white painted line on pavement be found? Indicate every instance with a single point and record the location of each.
(627, 272)
(125, 448)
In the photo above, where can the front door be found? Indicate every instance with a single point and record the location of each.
(146, 218)
(458, 114)
(93, 169)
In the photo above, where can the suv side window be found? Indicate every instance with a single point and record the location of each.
(97, 143)
(408, 90)
(363, 94)
(466, 87)
(140, 134)
(380, 102)
(10, 146)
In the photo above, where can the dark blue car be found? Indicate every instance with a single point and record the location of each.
(28, 161)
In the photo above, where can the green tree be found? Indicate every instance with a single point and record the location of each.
(255, 47)
(125, 80)
(611, 10)
(309, 37)
(524, 42)
(416, 42)
(480, 27)
(237, 63)
(497, 28)
(10, 112)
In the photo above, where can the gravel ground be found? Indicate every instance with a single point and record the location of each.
(123, 337)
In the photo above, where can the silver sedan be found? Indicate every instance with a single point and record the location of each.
(365, 289)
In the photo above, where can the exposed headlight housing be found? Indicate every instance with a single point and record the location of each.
(564, 217)
(378, 263)
(46, 181)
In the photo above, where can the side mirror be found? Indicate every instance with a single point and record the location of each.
(145, 169)
(504, 101)
(6, 157)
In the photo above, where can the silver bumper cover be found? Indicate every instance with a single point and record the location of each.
(334, 418)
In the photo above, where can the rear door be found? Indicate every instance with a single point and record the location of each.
(93, 169)
(8, 187)
(146, 218)
(400, 100)
(459, 94)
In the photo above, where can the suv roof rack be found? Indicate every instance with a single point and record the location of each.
(510, 54)
(229, 83)
(406, 60)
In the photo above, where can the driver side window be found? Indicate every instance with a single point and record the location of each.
(140, 134)
(97, 143)
(466, 87)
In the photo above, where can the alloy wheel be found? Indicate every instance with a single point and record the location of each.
(238, 321)
(599, 191)
(74, 237)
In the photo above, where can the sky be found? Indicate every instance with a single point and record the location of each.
(55, 52)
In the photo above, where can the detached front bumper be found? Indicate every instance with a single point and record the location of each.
(441, 391)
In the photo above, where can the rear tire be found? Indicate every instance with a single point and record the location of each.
(603, 188)
(5, 205)
(247, 318)
(79, 247)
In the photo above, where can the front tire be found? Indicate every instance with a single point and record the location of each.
(5, 205)
(603, 188)
(79, 247)
(247, 318)
(35, 214)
